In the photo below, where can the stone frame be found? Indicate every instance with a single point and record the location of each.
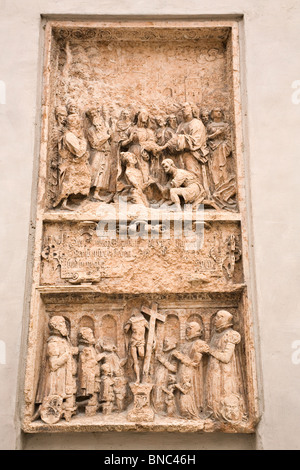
(39, 293)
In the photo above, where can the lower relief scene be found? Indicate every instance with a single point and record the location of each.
(175, 361)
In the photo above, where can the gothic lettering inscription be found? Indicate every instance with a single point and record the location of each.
(72, 254)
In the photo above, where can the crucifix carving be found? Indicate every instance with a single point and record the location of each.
(154, 316)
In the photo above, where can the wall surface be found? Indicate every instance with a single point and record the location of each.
(270, 44)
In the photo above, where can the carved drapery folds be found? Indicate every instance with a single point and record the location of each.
(140, 317)
(103, 158)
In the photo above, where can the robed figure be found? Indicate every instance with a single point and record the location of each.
(224, 389)
(74, 175)
(58, 380)
(190, 370)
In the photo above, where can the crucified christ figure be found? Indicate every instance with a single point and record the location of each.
(138, 324)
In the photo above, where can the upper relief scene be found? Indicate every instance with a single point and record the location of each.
(145, 118)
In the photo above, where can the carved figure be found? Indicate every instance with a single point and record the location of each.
(160, 132)
(74, 171)
(223, 379)
(232, 409)
(123, 125)
(58, 384)
(170, 150)
(190, 365)
(138, 325)
(61, 115)
(141, 142)
(205, 116)
(107, 389)
(166, 365)
(72, 107)
(190, 141)
(220, 144)
(219, 141)
(120, 133)
(115, 365)
(134, 177)
(61, 119)
(88, 370)
(183, 184)
(172, 125)
(162, 135)
(120, 390)
(99, 138)
(170, 398)
(187, 403)
(109, 355)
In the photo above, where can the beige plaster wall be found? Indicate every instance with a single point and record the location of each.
(270, 46)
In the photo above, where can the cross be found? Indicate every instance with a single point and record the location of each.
(154, 315)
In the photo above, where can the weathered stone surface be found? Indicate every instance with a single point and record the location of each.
(139, 312)
(73, 253)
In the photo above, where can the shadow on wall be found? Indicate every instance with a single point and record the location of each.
(142, 441)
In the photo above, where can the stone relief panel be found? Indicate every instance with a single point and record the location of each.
(143, 363)
(139, 315)
(73, 253)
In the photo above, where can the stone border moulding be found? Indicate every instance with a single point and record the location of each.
(53, 300)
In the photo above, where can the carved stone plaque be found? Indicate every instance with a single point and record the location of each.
(140, 318)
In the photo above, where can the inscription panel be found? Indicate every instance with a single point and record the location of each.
(73, 253)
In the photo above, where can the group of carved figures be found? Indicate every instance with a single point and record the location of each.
(90, 375)
(170, 159)
(168, 381)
